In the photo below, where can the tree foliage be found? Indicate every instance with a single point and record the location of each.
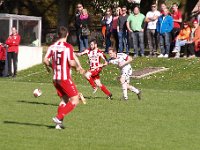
(61, 12)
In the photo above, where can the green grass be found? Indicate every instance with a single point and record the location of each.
(167, 117)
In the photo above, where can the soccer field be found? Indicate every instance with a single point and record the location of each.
(164, 119)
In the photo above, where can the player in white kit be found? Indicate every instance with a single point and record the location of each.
(123, 62)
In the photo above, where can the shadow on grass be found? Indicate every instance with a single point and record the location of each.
(38, 103)
(29, 124)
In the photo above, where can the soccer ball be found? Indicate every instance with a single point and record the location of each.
(37, 93)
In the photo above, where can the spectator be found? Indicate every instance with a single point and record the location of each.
(135, 25)
(84, 23)
(107, 20)
(2, 58)
(163, 6)
(164, 27)
(12, 55)
(182, 39)
(194, 42)
(78, 25)
(114, 27)
(177, 19)
(151, 19)
(122, 31)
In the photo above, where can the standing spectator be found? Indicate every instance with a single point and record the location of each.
(182, 38)
(93, 74)
(135, 25)
(194, 42)
(107, 19)
(84, 23)
(2, 58)
(79, 8)
(114, 27)
(13, 48)
(164, 27)
(123, 61)
(162, 7)
(122, 31)
(177, 20)
(151, 19)
(63, 59)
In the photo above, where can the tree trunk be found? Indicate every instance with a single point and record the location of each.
(186, 7)
(62, 13)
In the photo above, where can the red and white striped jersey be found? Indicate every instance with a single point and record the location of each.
(60, 53)
(95, 57)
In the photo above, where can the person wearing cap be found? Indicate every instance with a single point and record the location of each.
(193, 45)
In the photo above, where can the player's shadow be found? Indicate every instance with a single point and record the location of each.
(37, 103)
(29, 124)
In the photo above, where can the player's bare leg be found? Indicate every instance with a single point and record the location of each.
(135, 90)
(82, 99)
(124, 88)
(91, 80)
(104, 89)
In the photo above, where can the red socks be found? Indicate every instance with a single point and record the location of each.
(105, 90)
(91, 81)
(64, 109)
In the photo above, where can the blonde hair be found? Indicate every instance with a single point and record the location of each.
(85, 11)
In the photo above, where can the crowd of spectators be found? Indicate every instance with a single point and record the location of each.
(165, 31)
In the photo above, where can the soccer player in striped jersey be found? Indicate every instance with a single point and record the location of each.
(123, 61)
(92, 75)
(61, 58)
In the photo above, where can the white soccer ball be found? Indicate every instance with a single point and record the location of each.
(37, 93)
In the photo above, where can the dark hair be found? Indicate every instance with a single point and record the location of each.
(62, 32)
(137, 6)
(124, 7)
(94, 41)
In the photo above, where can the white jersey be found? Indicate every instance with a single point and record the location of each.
(125, 70)
(152, 24)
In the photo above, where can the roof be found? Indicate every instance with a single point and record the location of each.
(18, 17)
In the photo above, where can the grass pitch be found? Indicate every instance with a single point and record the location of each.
(166, 118)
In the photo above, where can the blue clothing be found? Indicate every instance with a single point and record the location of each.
(164, 24)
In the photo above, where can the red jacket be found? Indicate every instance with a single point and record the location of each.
(13, 43)
(2, 53)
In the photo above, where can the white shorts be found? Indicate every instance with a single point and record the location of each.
(127, 73)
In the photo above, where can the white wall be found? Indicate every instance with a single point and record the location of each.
(29, 56)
